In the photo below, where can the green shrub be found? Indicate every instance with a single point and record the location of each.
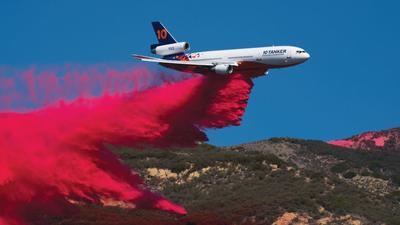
(349, 175)
(340, 167)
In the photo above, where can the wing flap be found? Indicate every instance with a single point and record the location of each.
(176, 62)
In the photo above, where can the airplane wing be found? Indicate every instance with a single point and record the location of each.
(183, 63)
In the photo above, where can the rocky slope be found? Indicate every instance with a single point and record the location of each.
(279, 181)
(384, 140)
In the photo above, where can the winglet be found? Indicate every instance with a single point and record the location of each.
(140, 57)
(147, 58)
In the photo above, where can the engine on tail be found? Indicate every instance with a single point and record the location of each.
(222, 69)
(169, 49)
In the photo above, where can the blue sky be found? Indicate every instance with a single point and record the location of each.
(351, 83)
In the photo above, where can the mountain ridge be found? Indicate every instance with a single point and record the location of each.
(388, 140)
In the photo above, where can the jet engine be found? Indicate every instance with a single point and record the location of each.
(222, 69)
(170, 49)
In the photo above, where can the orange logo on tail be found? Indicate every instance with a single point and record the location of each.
(162, 34)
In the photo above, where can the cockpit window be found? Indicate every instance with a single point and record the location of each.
(300, 52)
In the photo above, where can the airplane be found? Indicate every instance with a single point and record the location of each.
(246, 61)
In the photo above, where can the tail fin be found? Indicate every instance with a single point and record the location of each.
(162, 34)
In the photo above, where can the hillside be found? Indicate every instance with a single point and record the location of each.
(275, 181)
(388, 140)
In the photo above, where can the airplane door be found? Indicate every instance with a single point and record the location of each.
(288, 55)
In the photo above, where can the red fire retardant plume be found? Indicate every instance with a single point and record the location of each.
(53, 156)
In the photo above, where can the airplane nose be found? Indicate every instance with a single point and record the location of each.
(306, 56)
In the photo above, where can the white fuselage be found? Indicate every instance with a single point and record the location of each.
(271, 57)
